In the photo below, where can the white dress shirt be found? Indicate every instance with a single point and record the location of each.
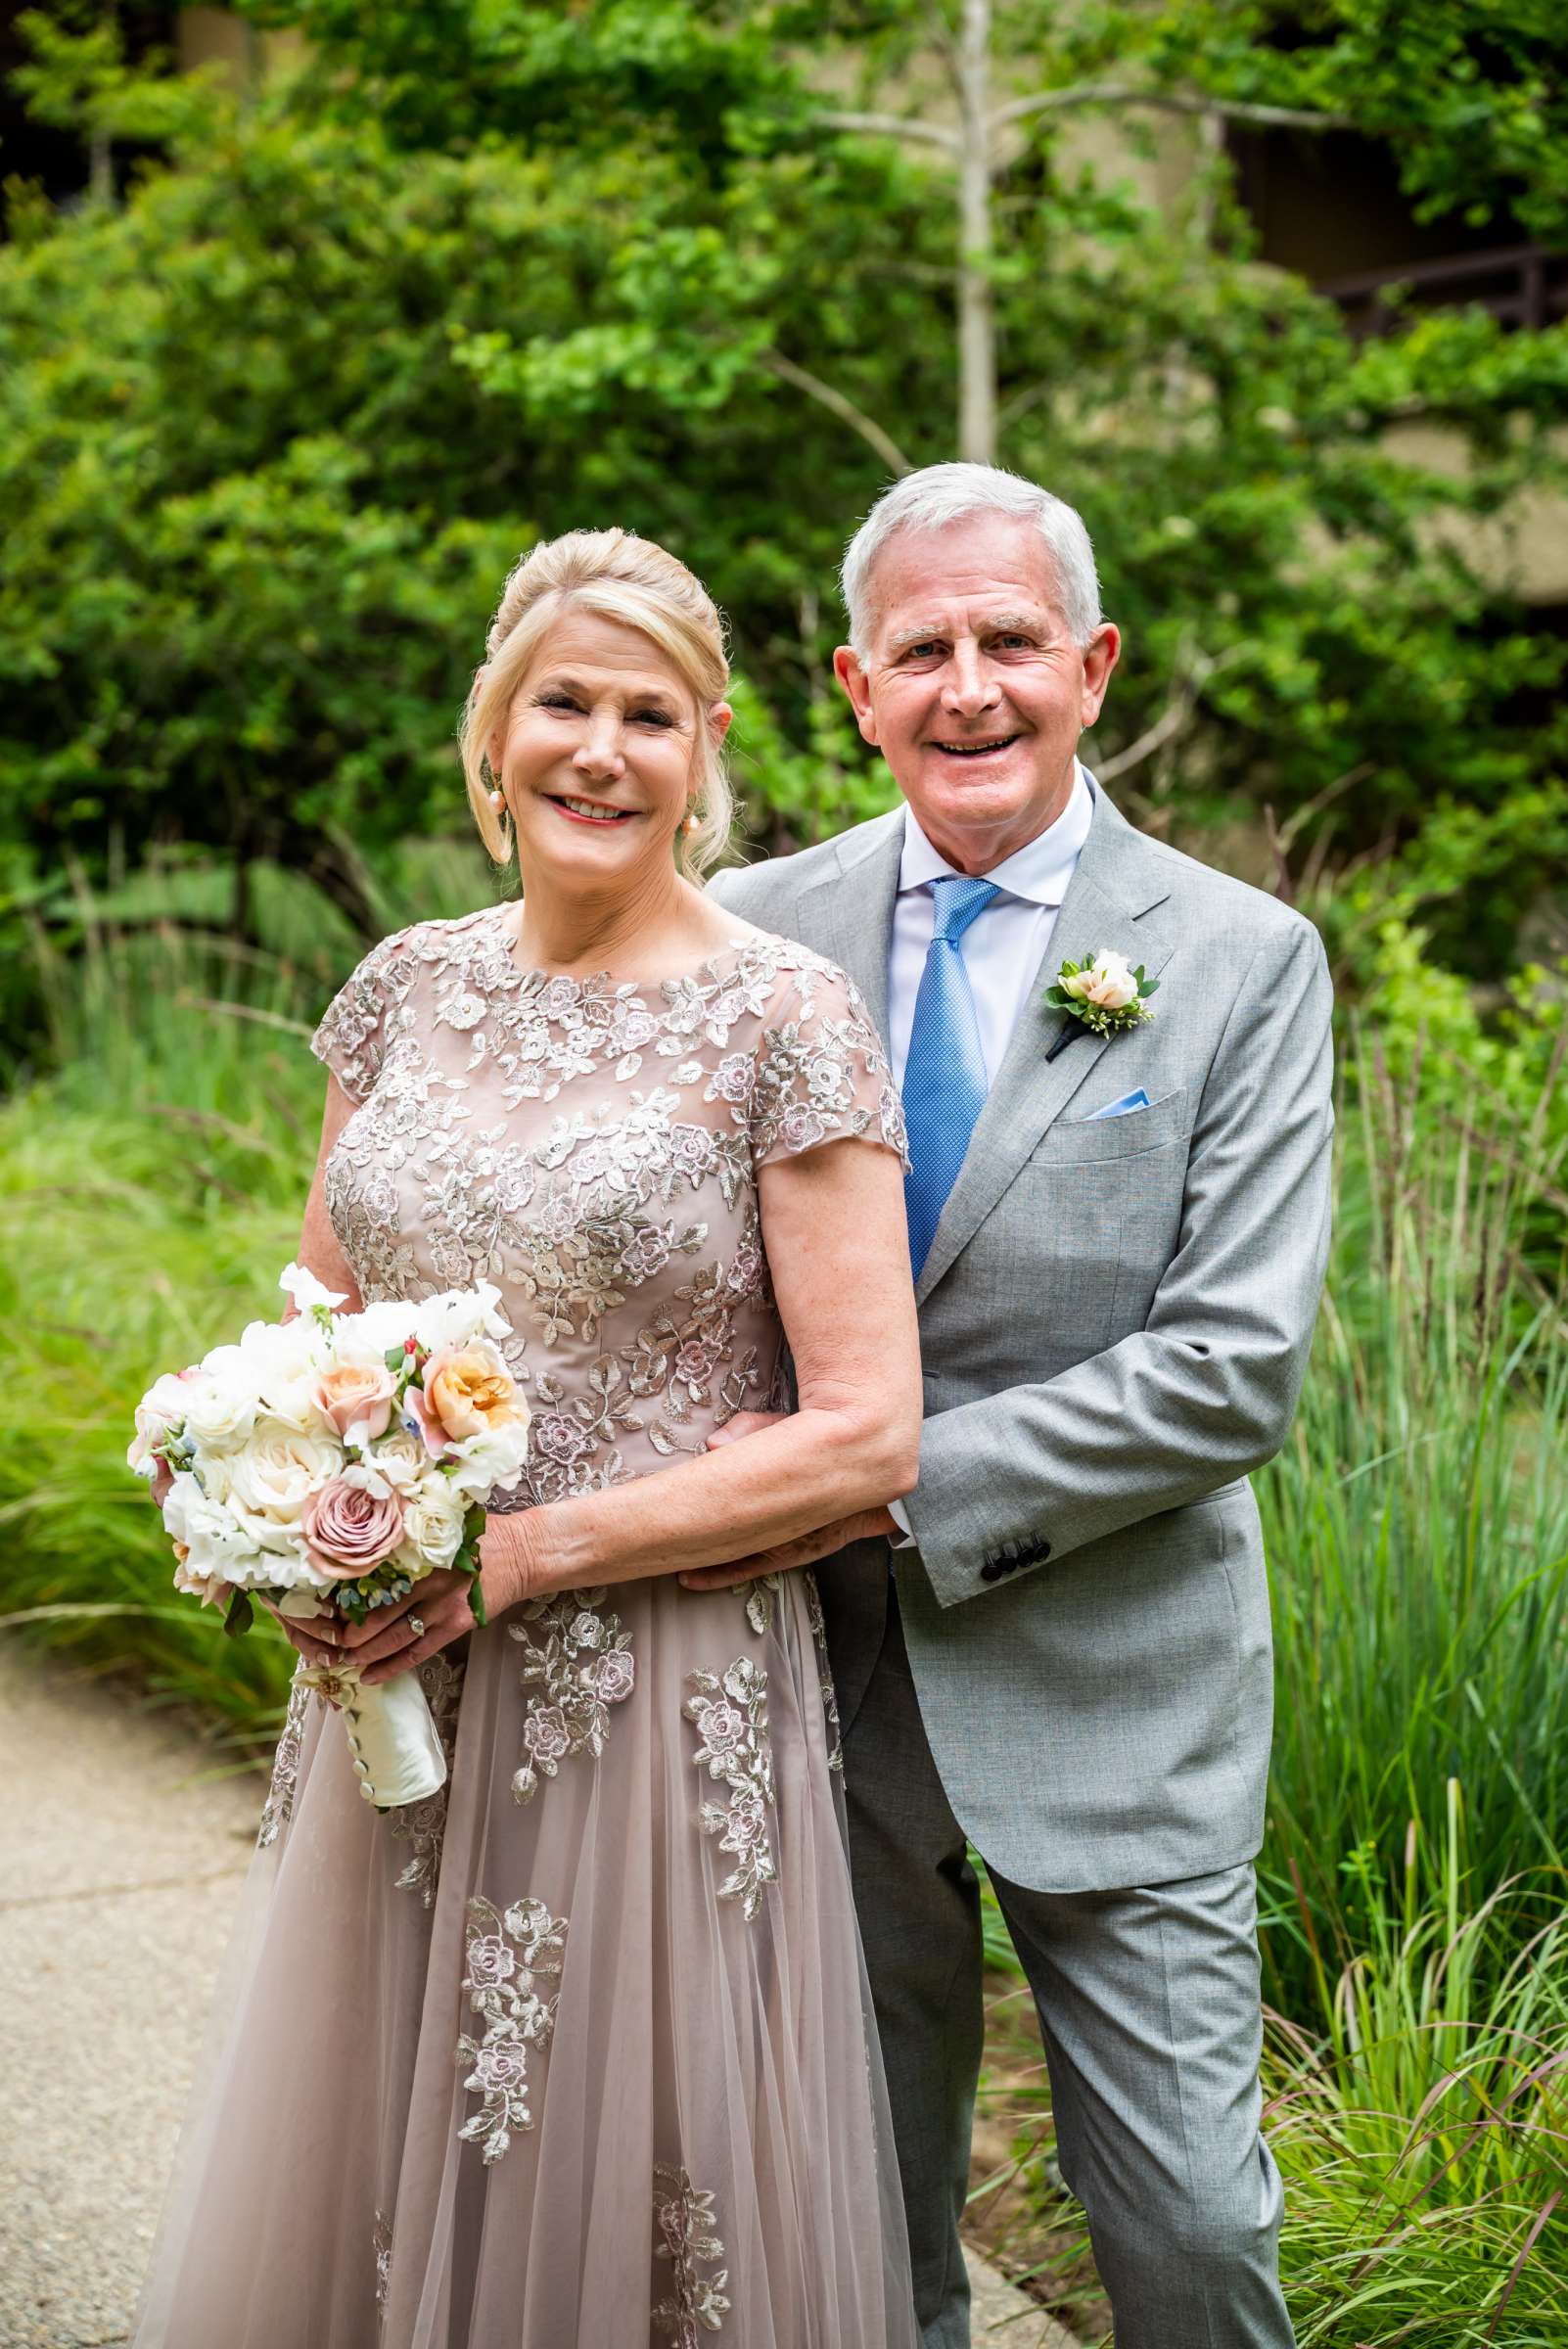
(1003, 947)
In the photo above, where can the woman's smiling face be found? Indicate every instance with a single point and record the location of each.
(599, 754)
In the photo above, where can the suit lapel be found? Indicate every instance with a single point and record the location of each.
(850, 912)
(1110, 903)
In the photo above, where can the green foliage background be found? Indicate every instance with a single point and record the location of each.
(273, 427)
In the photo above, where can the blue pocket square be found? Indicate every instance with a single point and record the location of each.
(1120, 1109)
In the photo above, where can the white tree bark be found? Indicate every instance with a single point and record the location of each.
(977, 315)
(973, 146)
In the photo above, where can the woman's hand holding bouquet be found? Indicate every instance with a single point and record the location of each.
(332, 1466)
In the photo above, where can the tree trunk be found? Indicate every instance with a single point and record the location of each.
(977, 323)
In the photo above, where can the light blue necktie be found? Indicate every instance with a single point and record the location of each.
(944, 1074)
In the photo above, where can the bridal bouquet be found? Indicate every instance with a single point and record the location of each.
(328, 1464)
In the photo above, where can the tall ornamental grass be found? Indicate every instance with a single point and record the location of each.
(1416, 1525)
(151, 1187)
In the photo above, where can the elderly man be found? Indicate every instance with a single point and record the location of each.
(1057, 1648)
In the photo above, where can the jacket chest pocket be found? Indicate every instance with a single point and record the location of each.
(1091, 1142)
(1102, 1197)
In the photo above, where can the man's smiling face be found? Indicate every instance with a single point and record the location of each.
(973, 688)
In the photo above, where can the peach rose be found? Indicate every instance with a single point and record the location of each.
(350, 1530)
(355, 1392)
(1109, 982)
(470, 1392)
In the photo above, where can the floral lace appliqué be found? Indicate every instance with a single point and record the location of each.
(581, 1666)
(381, 2244)
(762, 1602)
(423, 1825)
(731, 1715)
(508, 1963)
(278, 1809)
(684, 2219)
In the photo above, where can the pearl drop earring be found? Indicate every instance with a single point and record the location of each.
(498, 801)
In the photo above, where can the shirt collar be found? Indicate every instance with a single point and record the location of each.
(1039, 872)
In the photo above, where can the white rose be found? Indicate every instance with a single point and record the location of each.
(294, 1405)
(221, 1401)
(272, 1476)
(160, 1408)
(432, 1524)
(284, 1362)
(217, 1474)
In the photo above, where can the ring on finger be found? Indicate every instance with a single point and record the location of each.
(416, 1627)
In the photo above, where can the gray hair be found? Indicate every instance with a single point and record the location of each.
(939, 494)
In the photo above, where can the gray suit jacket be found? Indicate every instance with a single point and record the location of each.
(1115, 1316)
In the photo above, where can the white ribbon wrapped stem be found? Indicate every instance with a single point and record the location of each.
(396, 1755)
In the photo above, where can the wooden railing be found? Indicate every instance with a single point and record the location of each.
(1523, 285)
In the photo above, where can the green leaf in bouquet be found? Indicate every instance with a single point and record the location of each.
(241, 1614)
(475, 1597)
(473, 1520)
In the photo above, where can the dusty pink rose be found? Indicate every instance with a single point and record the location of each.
(162, 1479)
(350, 1530)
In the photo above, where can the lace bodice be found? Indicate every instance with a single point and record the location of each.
(592, 1146)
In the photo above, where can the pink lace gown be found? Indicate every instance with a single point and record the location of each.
(577, 2054)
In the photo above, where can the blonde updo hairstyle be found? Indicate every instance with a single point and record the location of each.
(619, 576)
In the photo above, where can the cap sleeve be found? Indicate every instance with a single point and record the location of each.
(821, 1073)
(354, 1029)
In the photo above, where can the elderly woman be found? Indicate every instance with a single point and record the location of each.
(579, 2052)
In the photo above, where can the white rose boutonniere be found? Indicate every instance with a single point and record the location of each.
(1105, 992)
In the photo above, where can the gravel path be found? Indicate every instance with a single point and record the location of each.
(121, 1852)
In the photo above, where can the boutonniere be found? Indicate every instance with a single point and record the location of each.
(1105, 992)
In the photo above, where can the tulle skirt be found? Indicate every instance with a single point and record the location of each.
(579, 2052)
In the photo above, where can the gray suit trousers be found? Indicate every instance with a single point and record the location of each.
(1148, 2000)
